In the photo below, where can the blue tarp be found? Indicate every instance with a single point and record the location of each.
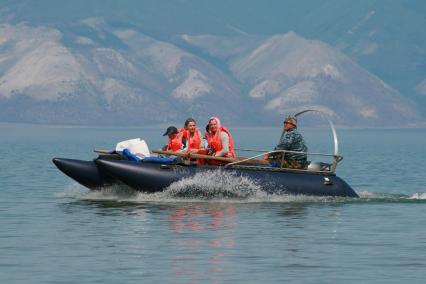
(129, 155)
(162, 160)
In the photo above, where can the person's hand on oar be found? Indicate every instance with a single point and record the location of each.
(211, 152)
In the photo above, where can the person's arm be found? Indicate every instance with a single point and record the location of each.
(285, 142)
(203, 140)
(225, 145)
(204, 143)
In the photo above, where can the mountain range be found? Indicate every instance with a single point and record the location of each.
(97, 70)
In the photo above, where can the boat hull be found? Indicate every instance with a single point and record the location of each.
(85, 173)
(151, 177)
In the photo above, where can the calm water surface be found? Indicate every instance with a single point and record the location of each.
(53, 230)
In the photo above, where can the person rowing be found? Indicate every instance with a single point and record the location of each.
(175, 139)
(219, 140)
(191, 137)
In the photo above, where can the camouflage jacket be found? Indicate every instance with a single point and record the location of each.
(292, 140)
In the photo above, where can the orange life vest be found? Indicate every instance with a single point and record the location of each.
(175, 143)
(193, 142)
(215, 141)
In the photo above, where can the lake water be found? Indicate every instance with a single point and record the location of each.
(53, 230)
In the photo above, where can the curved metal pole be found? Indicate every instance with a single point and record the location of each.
(336, 142)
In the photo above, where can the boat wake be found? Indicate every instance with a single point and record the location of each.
(216, 186)
(419, 196)
(389, 197)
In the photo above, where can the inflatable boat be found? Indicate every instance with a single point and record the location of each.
(156, 174)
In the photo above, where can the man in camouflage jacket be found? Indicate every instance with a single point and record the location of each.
(291, 140)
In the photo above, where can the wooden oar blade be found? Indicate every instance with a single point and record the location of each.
(103, 151)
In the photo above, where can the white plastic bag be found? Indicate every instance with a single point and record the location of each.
(135, 146)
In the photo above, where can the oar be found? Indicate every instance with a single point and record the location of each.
(194, 156)
(103, 151)
(207, 157)
(199, 156)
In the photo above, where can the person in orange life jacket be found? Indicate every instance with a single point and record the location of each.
(219, 139)
(191, 136)
(175, 139)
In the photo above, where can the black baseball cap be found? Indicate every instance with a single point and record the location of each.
(170, 130)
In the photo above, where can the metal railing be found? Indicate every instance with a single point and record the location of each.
(336, 158)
